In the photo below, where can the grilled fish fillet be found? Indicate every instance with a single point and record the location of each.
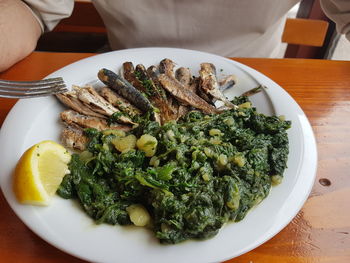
(184, 95)
(209, 83)
(166, 66)
(129, 75)
(70, 99)
(73, 117)
(90, 97)
(183, 75)
(125, 89)
(119, 102)
(165, 104)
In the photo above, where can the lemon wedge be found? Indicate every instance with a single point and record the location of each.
(39, 173)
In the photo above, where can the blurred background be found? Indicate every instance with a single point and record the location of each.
(308, 33)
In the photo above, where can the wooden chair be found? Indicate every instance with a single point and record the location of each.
(307, 32)
(311, 34)
(83, 31)
(308, 36)
(84, 18)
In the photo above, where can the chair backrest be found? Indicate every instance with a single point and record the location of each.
(307, 32)
(84, 18)
(83, 31)
(311, 34)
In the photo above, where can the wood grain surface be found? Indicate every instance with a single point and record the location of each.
(320, 231)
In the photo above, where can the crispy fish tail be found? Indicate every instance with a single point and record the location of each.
(253, 91)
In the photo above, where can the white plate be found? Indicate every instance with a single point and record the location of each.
(66, 226)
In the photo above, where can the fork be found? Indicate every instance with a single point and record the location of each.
(31, 89)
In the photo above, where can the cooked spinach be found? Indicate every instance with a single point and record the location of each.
(207, 170)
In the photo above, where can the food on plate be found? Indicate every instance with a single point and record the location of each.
(125, 89)
(39, 172)
(73, 137)
(185, 96)
(182, 166)
(118, 101)
(209, 83)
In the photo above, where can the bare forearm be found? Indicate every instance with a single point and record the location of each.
(19, 32)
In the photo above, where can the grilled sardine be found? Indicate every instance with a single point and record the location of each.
(166, 66)
(119, 102)
(90, 97)
(184, 95)
(72, 117)
(125, 89)
(184, 76)
(209, 84)
(168, 112)
(71, 100)
(130, 76)
(73, 137)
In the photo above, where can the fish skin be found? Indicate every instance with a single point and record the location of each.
(153, 75)
(183, 75)
(184, 95)
(142, 71)
(209, 83)
(125, 89)
(155, 92)
(72, 136)
(166, 66)
(205, 96)
(89, 96)
(72, 117)
(119, 102)
(129, 75)
(70, 99)
(169, 112)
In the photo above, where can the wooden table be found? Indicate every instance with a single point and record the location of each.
(319, 233)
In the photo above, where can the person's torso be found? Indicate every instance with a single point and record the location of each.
(224, 27)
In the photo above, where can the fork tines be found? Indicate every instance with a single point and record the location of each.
(30, 89)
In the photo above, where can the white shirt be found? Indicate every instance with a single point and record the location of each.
(245, 28)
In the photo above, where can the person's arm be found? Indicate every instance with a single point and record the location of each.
(339, 12)
(19, 32)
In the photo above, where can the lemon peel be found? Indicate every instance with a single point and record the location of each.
(39, 172)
